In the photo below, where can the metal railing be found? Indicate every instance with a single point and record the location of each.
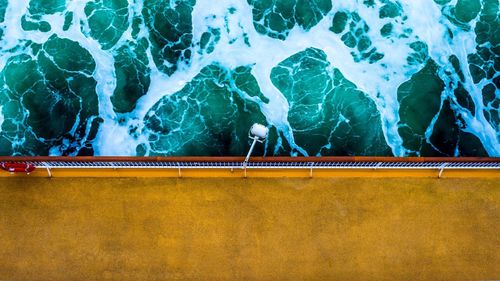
(233, 163)
(263, 165)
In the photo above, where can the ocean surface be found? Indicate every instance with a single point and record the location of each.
(190, 77)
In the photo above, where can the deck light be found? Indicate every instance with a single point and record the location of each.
(258, 133)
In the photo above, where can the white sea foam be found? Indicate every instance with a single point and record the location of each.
(378, 80)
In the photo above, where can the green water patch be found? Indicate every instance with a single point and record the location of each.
(327, 113)
(442, 2)
(354, 33)
(482, 65)
(464, 99)
(208, 40)
(467, 10)
(170, 32)
(46, 7)
(448, 138)
(38, 8)
(492, 115)
(489, 94)
(276, 18)
(419, 55)
(420, 100)
(3, 8)
(455, 62)
(420, 103)
(390, 9)
(210, 116)
(339, 22)
(463, 12)
(386, 30)
(68, 20)
(491, 101)
(29, 24)
(485, 63)
(107, 20)
(132, 75)
(49, 100)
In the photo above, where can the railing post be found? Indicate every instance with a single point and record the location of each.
(441, 170)
(48, 169)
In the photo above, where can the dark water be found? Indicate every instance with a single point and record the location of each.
(186, 77)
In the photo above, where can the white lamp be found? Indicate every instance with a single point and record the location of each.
(258, 133)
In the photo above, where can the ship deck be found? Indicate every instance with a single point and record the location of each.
(151, 228)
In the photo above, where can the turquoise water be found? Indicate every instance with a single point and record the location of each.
(186, 77)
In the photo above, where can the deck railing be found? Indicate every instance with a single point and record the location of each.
(262, 162)
(233, 163)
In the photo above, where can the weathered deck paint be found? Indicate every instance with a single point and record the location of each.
(249, 229)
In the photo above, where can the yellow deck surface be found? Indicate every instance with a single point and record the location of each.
(249, 229)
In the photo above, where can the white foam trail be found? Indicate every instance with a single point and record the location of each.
(263, 60)
(379, 80)
(441, 47)
(463, 44)
(13, 32)
(424, 17)
(1, 117)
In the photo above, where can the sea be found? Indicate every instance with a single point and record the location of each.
(190, 77)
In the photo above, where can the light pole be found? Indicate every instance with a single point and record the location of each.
(258, 133)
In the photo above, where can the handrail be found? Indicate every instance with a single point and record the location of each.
(241, 158)
(236, 163)
(266, 165)
(310, 163)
